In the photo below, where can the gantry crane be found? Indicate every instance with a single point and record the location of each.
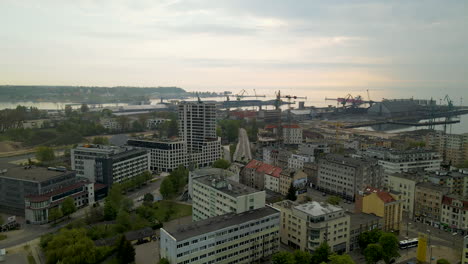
(350, 101)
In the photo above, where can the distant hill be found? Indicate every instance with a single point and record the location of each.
(12, 93)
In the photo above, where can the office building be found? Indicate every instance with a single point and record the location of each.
(345, 176)
(387, 205)
(232, 238)
(428, 202)
(360, 223)
(109, 164)
(306, 226)
(165, 155)
(213, 194)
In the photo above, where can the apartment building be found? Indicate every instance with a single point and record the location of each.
(453, 148)
(387, 205)
(428, 202)
(306, 226)
(17, 183)
(254, 174)
(214, 195)
(38, 206)
(109, 164)
(165, 155)
(292, 134)
(454, 216)
(270, 155)
(345, 176)
(457, 181)
(394, 161)
(110, 123)
(314, 148)
(232, 238)
(155, 122)
(405, 184)
(297, 178)
(360, 223)
(464, 259)
(297, 161)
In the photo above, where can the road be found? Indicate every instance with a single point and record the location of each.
(243, 151)
(31, 232)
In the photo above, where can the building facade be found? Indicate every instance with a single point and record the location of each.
(253, 174)
(297, 178)
(454, 216)
(233, 238)
(292, 134)
(428, 202)
(360, 223)
(165, 156)
(453, 148)
(345, 176)
(405, 184)
(214, 195)
(306, 226)
(297, 161)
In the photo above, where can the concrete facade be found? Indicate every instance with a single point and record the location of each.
(428, 202)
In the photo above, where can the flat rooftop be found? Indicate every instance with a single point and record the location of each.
(348, 161)
(181, 233)
(361, 218)
(35, 174)
(226, 186)
(315, 208)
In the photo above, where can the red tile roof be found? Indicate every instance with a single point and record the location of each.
(264, 168)
(386, 197)
(270, 126)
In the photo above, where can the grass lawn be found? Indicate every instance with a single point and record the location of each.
(178, 210)
(2, 237)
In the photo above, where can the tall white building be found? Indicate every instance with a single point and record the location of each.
(233, 238)
(213, 194)
(108, 164)
(165, 155)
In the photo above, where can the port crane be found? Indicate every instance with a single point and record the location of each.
(350, 101)
(241, 95)
(277, 105)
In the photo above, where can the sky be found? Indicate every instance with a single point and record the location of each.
(414, 47)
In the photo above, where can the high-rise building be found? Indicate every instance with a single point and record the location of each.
(213, 194)
(452, 147)
(232, 238)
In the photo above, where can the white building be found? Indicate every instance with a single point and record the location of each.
(110, 123)
(297, 161)
(109, 164)
(313, 148)
(272, 182)
(292, 134)
(154, 122)
(454, 213)
(231, 238)
(405, 184)
(213, 194)
(165, 155)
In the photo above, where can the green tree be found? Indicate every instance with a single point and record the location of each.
(123, 222)
(45, 154)
(283, 257)
(167, 188)
(302, 256)
(291, 193)
(148, 197)
(334, 200)
(321, 254)
(389, 243)
(84, 108)
(369, 237)
(373, 253)
(55, 214)
(100, 141)
(125, 251)
(164, 261)
(341, 259)
(173, 129)
(442, 261)
(68, 110)
(221, 163)
(68, 206)
(110, 210)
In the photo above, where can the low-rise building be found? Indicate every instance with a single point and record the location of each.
(345, 176)
(232, 238)
(428, 202)
(314, 148)
(155, 122)
(111, 123)
(360, 223)
(213, 194)
(405, 184)
(295, 177)
(165, 155)
(109, 164)
(297, 161)
(387, 205)
(254, 172)
(306, 226)
(454, 214)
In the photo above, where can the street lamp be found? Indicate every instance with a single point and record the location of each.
(430, 259)
(407, 227)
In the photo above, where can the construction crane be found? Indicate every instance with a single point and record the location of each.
(278, 103)
(449, 102)
(243, 91)
(350, 101)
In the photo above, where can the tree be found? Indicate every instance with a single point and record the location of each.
(373, 253)
(389, 243)
(110, 210)
(100, 141)
(369, 237)
(442, 261)
(68, 110)
(167, 188)
(334, 200)
(68, 206)
(291, 193)
(45, 154)
(321, 254)
(123, 221)
(148, 197)
(302, 256)
(125, 251)
(341, 259)
(173, 129)
(84, 108)
(55, 214)
(164, 261)
(283, 257)
(221, 163)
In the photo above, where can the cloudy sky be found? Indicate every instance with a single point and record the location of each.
(264, 44)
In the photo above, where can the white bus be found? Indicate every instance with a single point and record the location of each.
(408, 243)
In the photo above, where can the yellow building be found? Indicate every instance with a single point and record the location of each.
(387, 205)
(297, 178)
